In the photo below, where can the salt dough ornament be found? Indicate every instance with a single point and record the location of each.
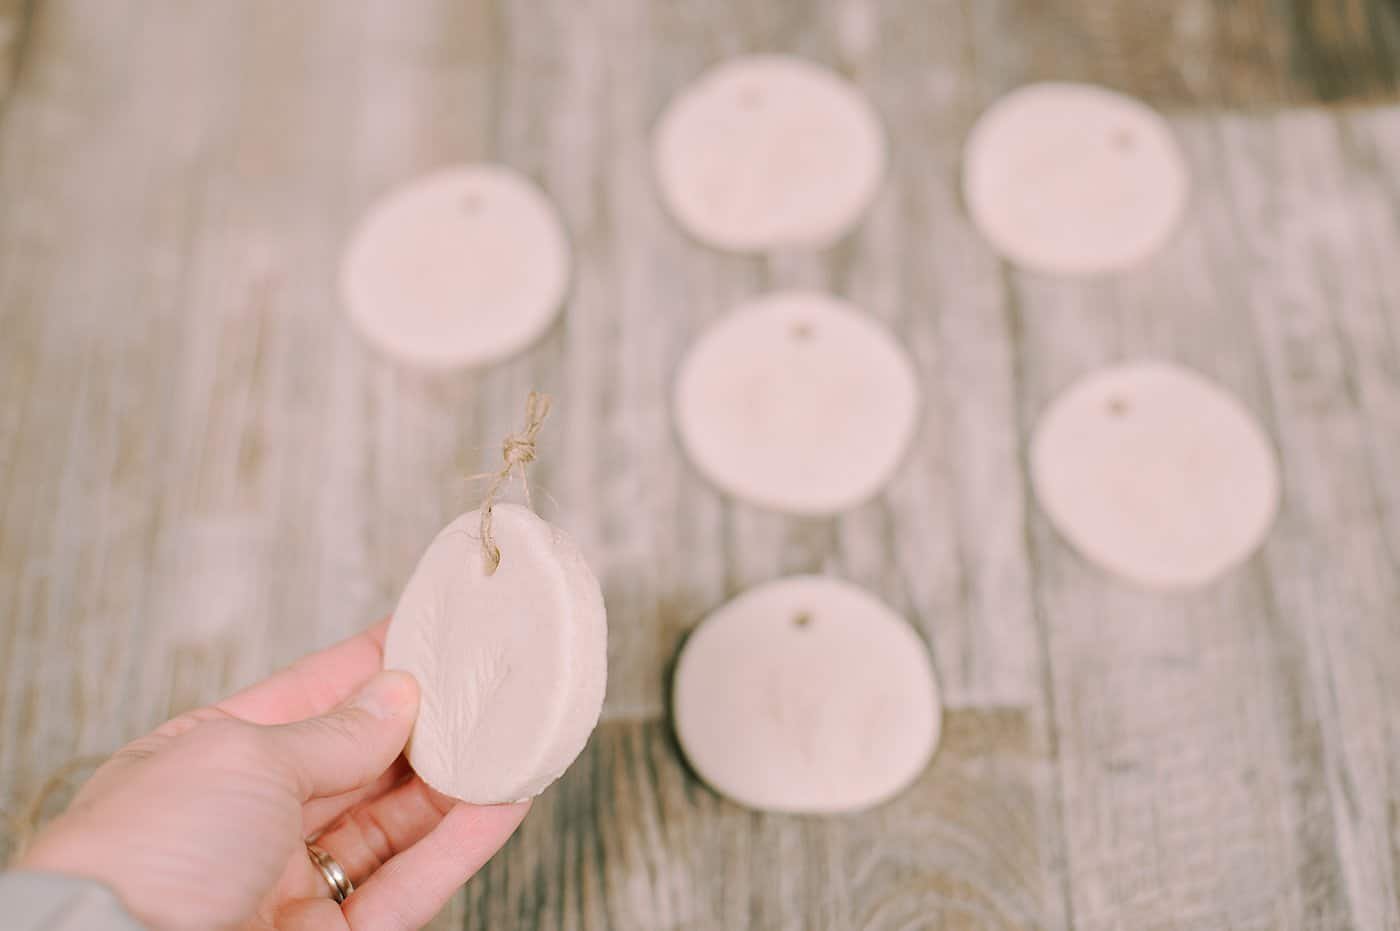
(797, 402)
(459, 268)
(806, 694)
(1073, 179)
(768, 151)
(1156, 474)
(504, 628)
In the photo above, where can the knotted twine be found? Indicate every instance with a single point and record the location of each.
(518, 451)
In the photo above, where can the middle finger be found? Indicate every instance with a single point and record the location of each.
(369, 834)
(319, 813)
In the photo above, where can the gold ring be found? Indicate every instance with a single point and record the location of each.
(340, 884)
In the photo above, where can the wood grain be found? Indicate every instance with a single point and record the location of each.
(1204, 52)
(203, 474)
(958, 850)
(14, 28)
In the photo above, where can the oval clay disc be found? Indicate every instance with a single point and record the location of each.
(458, 268)
(1156, 474)
(511, 666)
(769, 151)
(1073, 179)
(806, 695)
(798, 402)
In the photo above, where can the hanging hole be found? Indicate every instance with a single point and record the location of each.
(802, 331)
(802, 619)
(472, 203)
(1118, 407)
(750, 97)
(1123, 139)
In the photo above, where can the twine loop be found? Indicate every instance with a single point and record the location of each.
(517, 451)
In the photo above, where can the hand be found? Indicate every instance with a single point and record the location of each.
(202, 822)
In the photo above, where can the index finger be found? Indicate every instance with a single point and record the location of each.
(313, 684)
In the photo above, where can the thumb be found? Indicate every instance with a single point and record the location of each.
(353, 744)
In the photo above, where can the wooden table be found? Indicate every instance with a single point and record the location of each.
(203, 474)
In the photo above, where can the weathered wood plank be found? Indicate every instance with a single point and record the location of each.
(14, 27)
(1324, 308)
(1224, 754)
(1202, 52)
(89, 342)
(630, 839)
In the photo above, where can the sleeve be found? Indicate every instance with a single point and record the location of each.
(56, 902)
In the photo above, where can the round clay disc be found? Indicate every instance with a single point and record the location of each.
(462, 267)
(797, 402)
(1156, 474)
(1072, 179)
(511, 666)
(766, 152)
(806, 695)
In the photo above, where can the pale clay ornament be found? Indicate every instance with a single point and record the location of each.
(806, 695)
(512, 664)
(798, 402)
(1155, 473)
(1073, 179)
(462, 267)
(767, 152)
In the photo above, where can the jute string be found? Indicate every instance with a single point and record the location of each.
(518, 451)
(26, 822)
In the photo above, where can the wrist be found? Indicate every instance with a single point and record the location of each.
(62, 851)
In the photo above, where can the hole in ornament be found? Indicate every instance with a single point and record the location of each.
(802, 619)
(802, 332)
(472, 203)
(750, 97)
(1118, 407)
(1123, 139)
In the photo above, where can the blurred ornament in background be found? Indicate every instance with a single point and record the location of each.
(462, 267)
(1073, 179)
(1156, 474)
(769, 152)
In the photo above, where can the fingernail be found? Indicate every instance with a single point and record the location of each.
(388, 695)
